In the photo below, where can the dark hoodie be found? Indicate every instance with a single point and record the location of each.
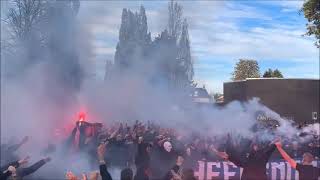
(162, 161)
(142, 162)
(177, 169)
(254, 166)
(142, 158)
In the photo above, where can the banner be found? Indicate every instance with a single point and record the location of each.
(223, 170)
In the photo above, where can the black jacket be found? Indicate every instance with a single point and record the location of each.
(31, 169)
(177, 169)
(254, 166)
(104, 172)
(22, 172)
(142, 159)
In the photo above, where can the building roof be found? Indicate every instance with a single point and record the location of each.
(201, 93)
(220, 99)
(247, 79)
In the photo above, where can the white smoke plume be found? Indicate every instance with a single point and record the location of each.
(40, 104)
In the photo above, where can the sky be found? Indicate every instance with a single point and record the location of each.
(221, 32)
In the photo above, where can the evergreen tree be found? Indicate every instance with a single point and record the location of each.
(175, 19)
(164, 53)
(108, 70)
(168, 56)
(268, 73)
(134, 39)
(277, 73)
(185, 64)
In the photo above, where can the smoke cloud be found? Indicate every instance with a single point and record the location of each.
(43, 102)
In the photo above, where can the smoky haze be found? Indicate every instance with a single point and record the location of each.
(47, 81)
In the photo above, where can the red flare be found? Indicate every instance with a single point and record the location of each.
(82, 116)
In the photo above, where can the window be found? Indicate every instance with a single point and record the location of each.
(290, 118)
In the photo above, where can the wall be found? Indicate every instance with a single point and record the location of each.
(293, 98)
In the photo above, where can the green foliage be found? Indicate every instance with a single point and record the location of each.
(277, 73)
(311, 10)
(246, 68)
(269, 74)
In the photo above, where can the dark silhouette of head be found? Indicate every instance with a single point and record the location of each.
(126, 174)
(188, 174)
(255, 147)
(307, 158)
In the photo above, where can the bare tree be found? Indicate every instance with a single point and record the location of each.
(25, 17)
(23, 35)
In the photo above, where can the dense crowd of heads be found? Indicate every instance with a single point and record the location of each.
(142, 151)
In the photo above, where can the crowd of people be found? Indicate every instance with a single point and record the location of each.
(147, 151)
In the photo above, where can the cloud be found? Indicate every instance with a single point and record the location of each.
(259, 43)
(305, 70)
(103, 19)
(290, 5)
(285, 6)
(230, 35)
(104, 51)
(226, 38)
(220, 32)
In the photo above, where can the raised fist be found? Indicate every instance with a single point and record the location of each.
(47, 159)
(71, 176)
(24, 160)
(25, 139)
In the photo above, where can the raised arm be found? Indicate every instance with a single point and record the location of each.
(103, 167)
(222, 155)
(291, 161)
(15, 164)
(29, 170)
(17, 146)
